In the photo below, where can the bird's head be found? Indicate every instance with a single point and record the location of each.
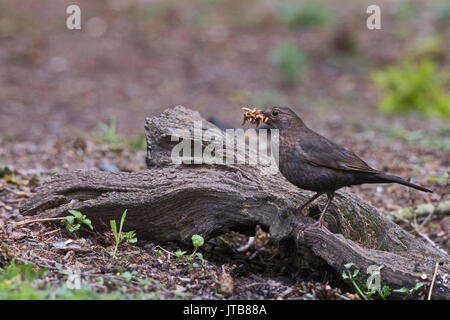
(274, 117)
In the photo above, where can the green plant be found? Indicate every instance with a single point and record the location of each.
(289, 60)
(179, 254)
(128, 276)
(384, 292)
(21, 281)
(415, 87)
(74, 222)
(108, 132)
(408, 292)
(197, 242)
(359, 282)
(27, 282)
(136, 141)
(301, 15)
(119, 236)
(158, 252)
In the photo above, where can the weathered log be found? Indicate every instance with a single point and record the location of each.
(172, 202)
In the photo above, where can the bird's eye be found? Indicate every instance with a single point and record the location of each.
(275, 113)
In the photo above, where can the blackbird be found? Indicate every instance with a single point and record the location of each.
(312, 162)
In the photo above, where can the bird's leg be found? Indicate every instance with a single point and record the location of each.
(318, 194)
(320, 222)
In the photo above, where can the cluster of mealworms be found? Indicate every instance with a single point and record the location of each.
(254, 116)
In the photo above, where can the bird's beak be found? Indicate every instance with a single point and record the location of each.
(254, 116)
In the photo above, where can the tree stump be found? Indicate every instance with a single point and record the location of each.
(170, 202)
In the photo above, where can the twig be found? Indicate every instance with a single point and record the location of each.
(436, 267)
(168, 252)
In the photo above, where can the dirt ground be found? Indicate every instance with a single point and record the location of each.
(77, 99)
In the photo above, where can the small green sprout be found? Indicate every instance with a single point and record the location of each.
(119, 236)
(128, 276)
(408, 292)
(179, 254)
(158, 252)
(197, 241)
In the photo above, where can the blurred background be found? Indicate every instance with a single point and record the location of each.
(134, 58)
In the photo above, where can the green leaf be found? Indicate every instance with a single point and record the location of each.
(348, 265)
(127, 276)
(179, 253)
(114, 229)
(200, 256)
(197, 241)
(122, 220)
(88, 222)
(419, 285)
(403, 290)
(70, 220)
(384, 292)
(74, 227)
(76, 214)
(130, 236)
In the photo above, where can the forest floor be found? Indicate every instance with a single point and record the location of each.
(236, 266)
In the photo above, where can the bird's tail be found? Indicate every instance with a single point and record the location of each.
(386, 178)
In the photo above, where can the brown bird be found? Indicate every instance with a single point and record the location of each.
(312, 162)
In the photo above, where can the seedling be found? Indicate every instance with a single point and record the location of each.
(179, 254)
(414, 86)
(128, 276)
(119, 236)
(108, 132)
(74, 222)
(197, 241)
(185, 260)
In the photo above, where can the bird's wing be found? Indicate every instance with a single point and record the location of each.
(322, 152)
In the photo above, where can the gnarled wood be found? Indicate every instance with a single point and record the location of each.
(172, 202)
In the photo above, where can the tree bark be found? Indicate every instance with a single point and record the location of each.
(172, 202)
